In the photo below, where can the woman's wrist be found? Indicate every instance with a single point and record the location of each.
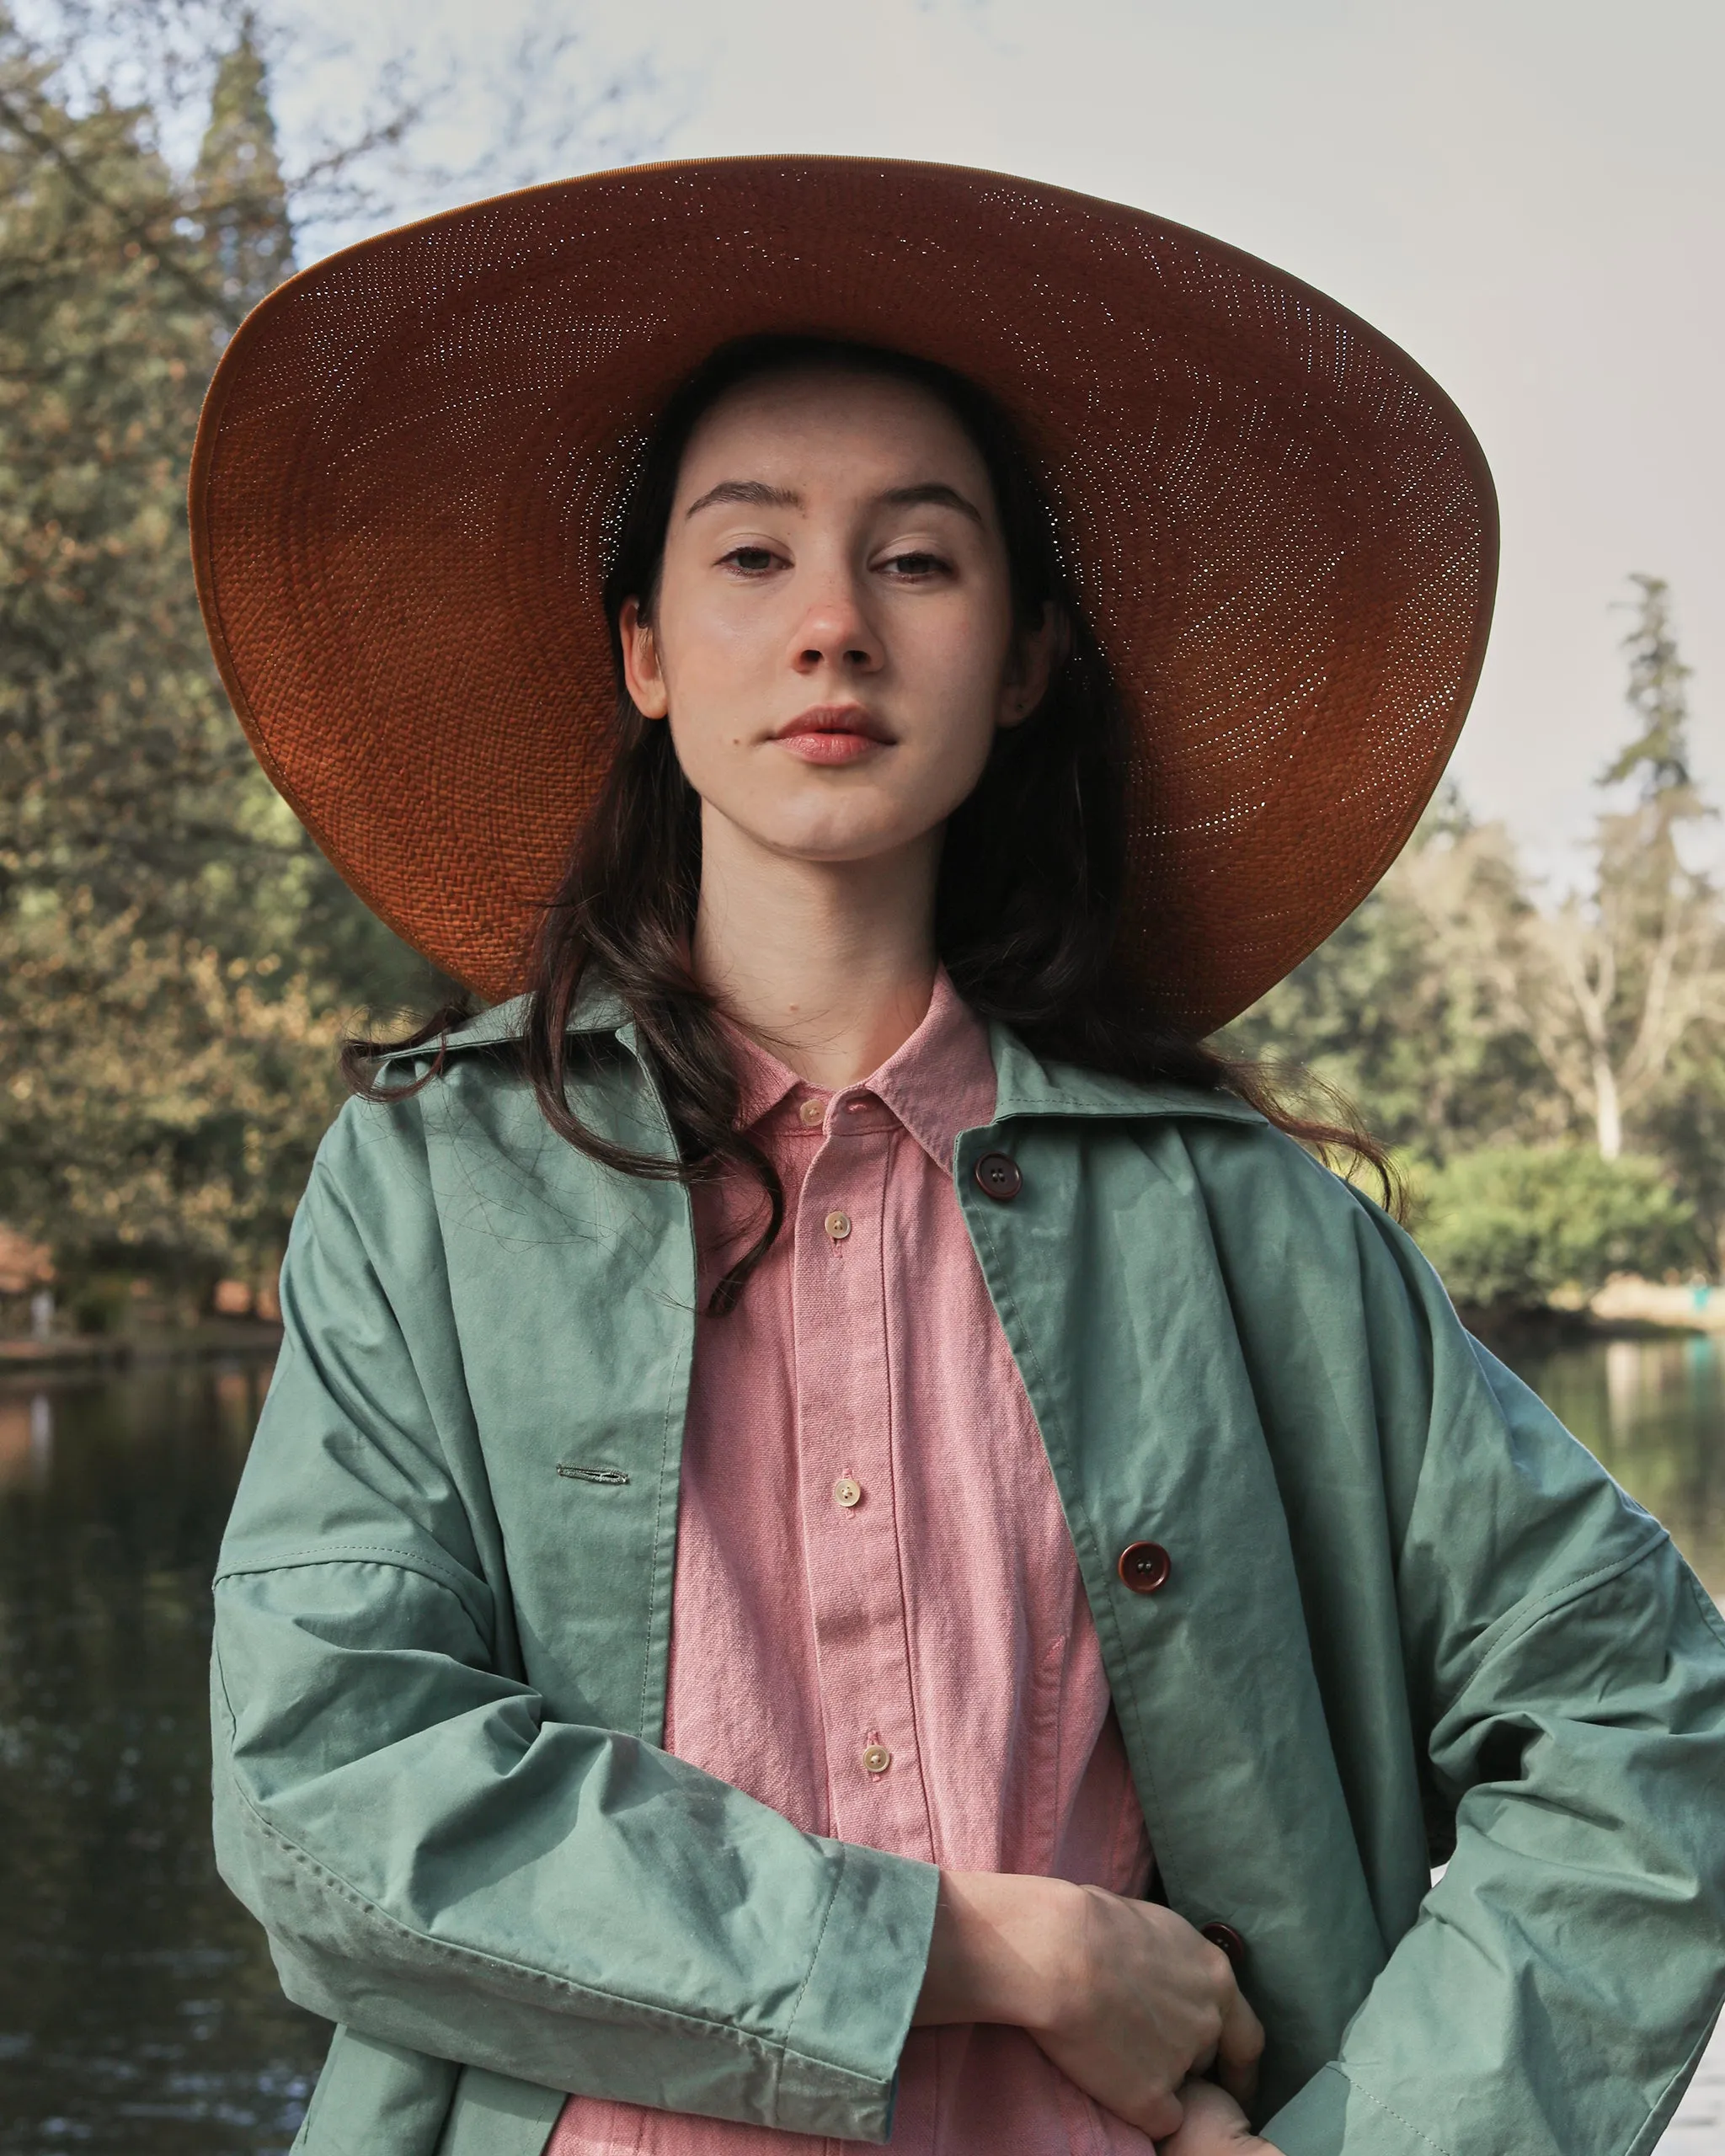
(996, 1953)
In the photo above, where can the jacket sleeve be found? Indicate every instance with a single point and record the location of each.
(1567, 1673)
(441, 1867)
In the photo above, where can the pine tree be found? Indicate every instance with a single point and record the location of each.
(1658, 755)
(175, 957)
(1620, 982)
(242, 203)
(120, 773)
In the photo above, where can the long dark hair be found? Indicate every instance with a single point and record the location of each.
(1032, 873)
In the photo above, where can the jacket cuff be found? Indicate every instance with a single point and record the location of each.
(1332, 2113)
(839, 2068)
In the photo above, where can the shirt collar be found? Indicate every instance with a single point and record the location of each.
(940, 1083)
(1027, 1086)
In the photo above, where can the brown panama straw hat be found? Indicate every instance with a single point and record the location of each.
(1282, 531)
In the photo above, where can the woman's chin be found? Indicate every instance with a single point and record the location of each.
(833, 832)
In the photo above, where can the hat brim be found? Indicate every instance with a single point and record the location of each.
(1281, 530)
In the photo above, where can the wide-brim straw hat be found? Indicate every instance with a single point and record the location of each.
(412, 456)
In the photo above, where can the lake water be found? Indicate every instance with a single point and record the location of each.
(139, 2015)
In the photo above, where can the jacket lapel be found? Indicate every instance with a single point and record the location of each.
(1105, 1276)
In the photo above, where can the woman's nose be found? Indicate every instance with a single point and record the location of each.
(835, 631)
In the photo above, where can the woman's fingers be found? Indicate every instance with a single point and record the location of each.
(1214, 2126)
(1124, 1996)
(1238, 2050)
(1162, 2114)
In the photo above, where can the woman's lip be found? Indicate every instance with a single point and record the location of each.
(830, 719)
(830, 747)
(833, 733)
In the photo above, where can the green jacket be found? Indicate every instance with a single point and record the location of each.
(1402, 1596)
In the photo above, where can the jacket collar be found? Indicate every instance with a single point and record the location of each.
(599, 1009)
(1027, 1088)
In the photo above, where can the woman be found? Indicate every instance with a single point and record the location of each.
(849, 1540)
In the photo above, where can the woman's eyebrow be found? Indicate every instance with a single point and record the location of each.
(746, 490)
(934, 494)
(931, 494)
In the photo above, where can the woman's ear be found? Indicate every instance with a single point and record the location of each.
(643, 675)
(1036, 653)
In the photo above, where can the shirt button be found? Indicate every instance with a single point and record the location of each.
(812, 1111)
(998, 1177)
(838, 1225)
(848, 1491)
(1145, 1567)
(877, 1759)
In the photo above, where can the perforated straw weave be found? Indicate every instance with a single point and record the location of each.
(1282, 531)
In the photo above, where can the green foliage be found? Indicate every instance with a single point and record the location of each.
(119, 771)
(1509, 1227)
(165, 1100)
(1472, 1027)
(175, 957)
(1683, 1126)
(1401, 1011)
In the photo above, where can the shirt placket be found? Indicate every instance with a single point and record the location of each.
(852, 1528)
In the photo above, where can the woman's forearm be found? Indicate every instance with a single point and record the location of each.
(995, 1949)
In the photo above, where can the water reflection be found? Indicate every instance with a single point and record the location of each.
(26, 1440)
(1653, 1411)
(139, 2015)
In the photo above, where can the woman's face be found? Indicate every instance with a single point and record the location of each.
(833, 641)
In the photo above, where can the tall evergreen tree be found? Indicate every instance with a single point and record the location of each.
(242, 203)
(119, 774)
(1658, 755)
(1633, 971)
(174, 955)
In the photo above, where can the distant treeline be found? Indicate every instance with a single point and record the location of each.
(1553, 1076)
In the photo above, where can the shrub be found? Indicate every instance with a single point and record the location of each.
(1511, 1226)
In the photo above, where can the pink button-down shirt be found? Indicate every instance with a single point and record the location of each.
(879, 1627)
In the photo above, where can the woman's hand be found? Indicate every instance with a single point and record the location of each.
(1214, 2126)
(1124, 1996)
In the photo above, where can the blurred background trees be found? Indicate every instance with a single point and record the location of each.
(1552, 1074)
(177, 962)
(175, 957)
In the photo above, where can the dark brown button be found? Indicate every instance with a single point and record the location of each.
(997, 1176)
(1225, 1936)
(1145, 1567)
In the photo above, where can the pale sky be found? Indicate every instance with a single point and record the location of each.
(1528, 194)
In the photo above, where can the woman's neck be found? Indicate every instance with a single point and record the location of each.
(828, 965)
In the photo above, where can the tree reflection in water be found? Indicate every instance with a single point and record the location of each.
(139, 2015)
(1653, 1411)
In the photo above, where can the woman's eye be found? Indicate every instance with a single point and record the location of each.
(752, 561)
(914, 565)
